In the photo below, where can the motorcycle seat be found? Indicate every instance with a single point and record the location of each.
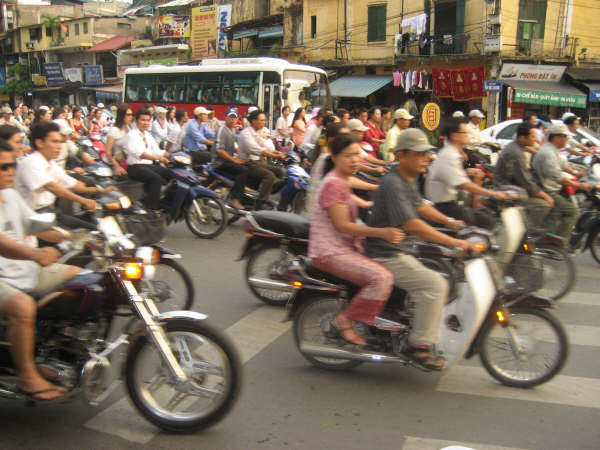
(289, 224)
(85, 278)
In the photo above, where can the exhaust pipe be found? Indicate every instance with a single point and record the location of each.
(357, 355)
(269, 284)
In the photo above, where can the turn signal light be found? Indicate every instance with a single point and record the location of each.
(480, 246)
(133, 271)
(526, 247)
(500, 316)
(297, 284)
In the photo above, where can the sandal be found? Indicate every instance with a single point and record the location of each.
(33, 396)
(424, 357)
(349, 334)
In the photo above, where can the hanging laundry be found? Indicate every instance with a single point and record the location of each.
(448, 39)
(396, 76)
(418, 79)
(397, 43)
(402, 80)
(407, 82)
(415, 24)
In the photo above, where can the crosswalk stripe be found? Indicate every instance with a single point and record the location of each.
(580, 298)
(251, 334)
(562, 389)
(419, 443)
(583, 335)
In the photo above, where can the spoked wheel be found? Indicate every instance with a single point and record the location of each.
(312, 326)
(268, 262)
(214, 376)
(171, 288)
(206, 217)
(595, 248)
(558, 271)
(529, 351)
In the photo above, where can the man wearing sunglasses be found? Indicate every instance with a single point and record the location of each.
(25, 271)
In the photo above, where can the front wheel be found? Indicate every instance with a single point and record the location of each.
(211, 364)
(595, 247)
(312, 326)
(529, 351)
(558, 271)
(171, 288)
(206, 217)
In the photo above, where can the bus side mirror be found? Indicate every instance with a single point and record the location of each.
(284, 94)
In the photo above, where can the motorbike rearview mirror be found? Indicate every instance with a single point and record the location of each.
(42, 222)
(284, 93)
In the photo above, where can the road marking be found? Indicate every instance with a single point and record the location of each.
(580, 298)
(562, 389)
(251, 334)
(583, 335)
(418, 443)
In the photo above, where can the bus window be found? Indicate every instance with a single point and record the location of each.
(139, 88)
(204, 88)
(306, 89)
(170, 89)
(240, 88)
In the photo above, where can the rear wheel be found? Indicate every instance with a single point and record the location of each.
(312, 326)
(267, 262)
(595, 248)
(529, 351)
(206, 217)
(558, 271)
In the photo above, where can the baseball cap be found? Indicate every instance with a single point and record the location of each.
(252, 109)
(560, 128)
(6, 110)
(567, 115)
(458, 114)
(100, 105)
(413, 139)
(161, 110)
(44, 107)
(200, 110)
(476, 113)
(356, 125)
(232, 112)
(402, 113)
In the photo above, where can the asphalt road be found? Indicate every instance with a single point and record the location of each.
(287, 403)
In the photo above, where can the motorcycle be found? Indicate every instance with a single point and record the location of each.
(181, 373)
(587, 228)
(518, 341)
(185, 198)
(297, 184)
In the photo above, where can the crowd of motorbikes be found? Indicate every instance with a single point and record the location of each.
(127, 317)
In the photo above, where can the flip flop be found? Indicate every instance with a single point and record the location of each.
(341, 331)
(31, 395)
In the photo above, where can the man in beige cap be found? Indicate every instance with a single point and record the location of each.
(7, 118)
(402, 120)
(198, 137)
(549, 168)
(475, 118)
(397, 203)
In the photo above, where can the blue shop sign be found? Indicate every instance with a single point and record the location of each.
(2, 75)
(93, 75)
(492, 86)
(595, 95)
(54, 73)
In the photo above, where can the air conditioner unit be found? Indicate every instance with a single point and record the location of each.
(29, 45)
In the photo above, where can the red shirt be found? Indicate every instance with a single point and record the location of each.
(373, 133)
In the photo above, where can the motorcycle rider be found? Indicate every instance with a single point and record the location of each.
(25, 270)
(549, 168)
(142, 151)
(511, 168)
(397, 203)
(198, 137)
(447, 175)
(402, 120)
(475, 118)
(574, 147)
(225, 161)
(252, 149)
(40, 180)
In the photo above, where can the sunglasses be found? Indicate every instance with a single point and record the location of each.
(6, 166)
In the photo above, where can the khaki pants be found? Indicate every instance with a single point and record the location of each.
(426, 288)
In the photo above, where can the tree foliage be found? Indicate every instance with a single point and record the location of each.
(18, 84)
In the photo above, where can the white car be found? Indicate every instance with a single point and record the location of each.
(506, 131)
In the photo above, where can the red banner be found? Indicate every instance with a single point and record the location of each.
(460, 84)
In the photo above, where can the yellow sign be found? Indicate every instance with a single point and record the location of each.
(39, 80)
(204, 32)
(431, 116)
(5, 98)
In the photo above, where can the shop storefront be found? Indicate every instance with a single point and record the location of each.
(588, 80)
(539, 89)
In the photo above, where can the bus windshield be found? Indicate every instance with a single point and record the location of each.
(306, 89)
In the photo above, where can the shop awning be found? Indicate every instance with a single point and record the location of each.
(115, 89)
(358, 86)
(244, 33)
(112, 44)
(547, 93)
(271, 33)
(594, 91)
(175, 4)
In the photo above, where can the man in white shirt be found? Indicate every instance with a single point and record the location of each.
(177, 133)
(475, 118)
(24, 271)
(142, 152)
(573, 146)
(40, 179)
(446, 176)
(252, 149)
(283, 127)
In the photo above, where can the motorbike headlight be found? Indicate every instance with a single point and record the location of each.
(133, 270)
(146, 254)
(125, 202)
(149, 271)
